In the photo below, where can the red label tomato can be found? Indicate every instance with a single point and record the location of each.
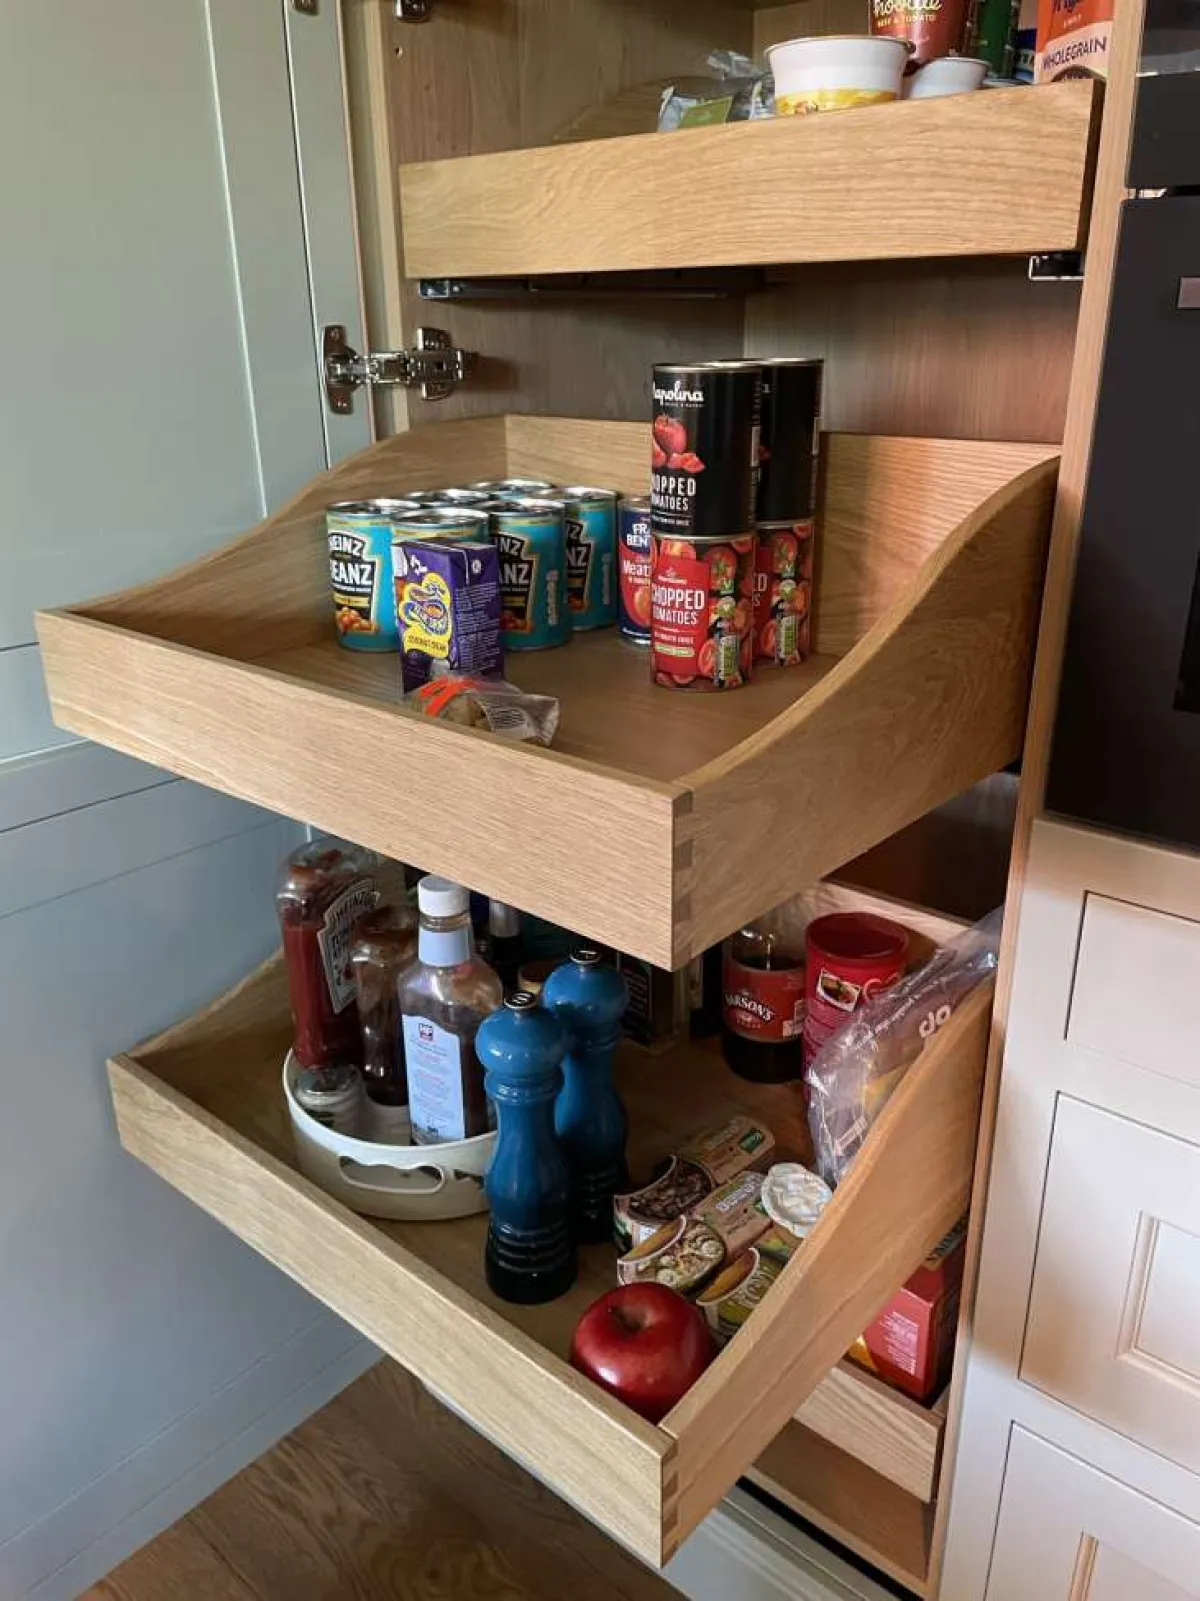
(850, 957)
(783, 587)
(704, 447)
(635, 564)
(702, 611)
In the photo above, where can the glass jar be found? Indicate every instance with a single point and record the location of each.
(385, 943)
(323, 890)
(444, 997)
(762, 1005)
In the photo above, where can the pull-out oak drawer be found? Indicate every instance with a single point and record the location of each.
(200, 1104)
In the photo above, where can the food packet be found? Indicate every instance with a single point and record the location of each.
(741, 92)
(488, 703)
(855, 1072)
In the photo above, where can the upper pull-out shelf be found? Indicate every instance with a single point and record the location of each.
(661, 819)
(1001, 172)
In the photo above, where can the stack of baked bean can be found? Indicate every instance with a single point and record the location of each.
(732, 502)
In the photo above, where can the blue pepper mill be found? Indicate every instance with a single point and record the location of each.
(589, 999)
(530, 1254)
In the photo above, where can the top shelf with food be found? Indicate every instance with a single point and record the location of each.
(659, 820)
(997, 173)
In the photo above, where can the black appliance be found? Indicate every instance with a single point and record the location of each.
(1126, 744)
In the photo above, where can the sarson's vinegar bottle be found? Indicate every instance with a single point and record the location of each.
(444, 996)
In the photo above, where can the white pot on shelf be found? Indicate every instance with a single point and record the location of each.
(405, 1183)
(948, 75)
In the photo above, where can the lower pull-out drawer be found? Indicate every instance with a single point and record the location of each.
(201, 1105)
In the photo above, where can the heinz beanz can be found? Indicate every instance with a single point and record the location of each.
(452, 496)
(506, 488)
(360, 571)
(530, 535)
(635, 560)
(591, 526)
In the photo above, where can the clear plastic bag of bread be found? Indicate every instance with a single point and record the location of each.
(491, 704)
(857, 1070)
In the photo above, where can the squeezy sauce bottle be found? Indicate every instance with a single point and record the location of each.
(444, 996)
(324, 889)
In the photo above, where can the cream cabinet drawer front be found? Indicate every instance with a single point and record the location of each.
(1068, 1532)
(1137, 988)
(1114, 1317)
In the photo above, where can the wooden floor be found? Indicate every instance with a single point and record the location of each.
(383, 1494)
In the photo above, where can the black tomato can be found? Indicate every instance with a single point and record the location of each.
(788, 439)
(704, 448)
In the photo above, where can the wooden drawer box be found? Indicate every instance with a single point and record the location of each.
(929, 573)
(200, 1104)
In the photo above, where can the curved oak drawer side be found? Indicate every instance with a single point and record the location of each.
(932, 696)
(910, 1184)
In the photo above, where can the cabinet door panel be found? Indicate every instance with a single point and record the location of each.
(1070, 1533)
(1136, 985)
(1114, 1317)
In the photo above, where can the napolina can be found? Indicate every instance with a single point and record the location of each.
(704, 447)
(701, 611)
(788, 442)
(591, 528)
(635, 561)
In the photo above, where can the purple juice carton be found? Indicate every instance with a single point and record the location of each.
(447, 609)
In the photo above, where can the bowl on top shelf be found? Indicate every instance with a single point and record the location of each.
(949, 75)
(835, 72)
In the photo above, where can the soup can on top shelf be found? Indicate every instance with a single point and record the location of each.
(635, 560)
(591, 528)
(932, 28)
(701, 611)
(704, 447)
(849, 958)
(359, 534)
(530, 535)
(508, 487)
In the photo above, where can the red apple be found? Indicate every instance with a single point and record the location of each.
(645, 1344)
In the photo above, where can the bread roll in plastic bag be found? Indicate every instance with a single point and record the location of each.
(488, 703)
(856, 1071)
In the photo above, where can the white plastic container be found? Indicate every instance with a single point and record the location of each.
(407, 1183)
(836, 72)
(949, 75)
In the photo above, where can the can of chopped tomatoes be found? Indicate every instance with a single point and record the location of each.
(702, 611)
(783, 585)
(635, 561)
(704, 447)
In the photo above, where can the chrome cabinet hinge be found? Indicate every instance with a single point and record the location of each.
(434, 365)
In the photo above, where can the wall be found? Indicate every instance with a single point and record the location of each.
(162, 395)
